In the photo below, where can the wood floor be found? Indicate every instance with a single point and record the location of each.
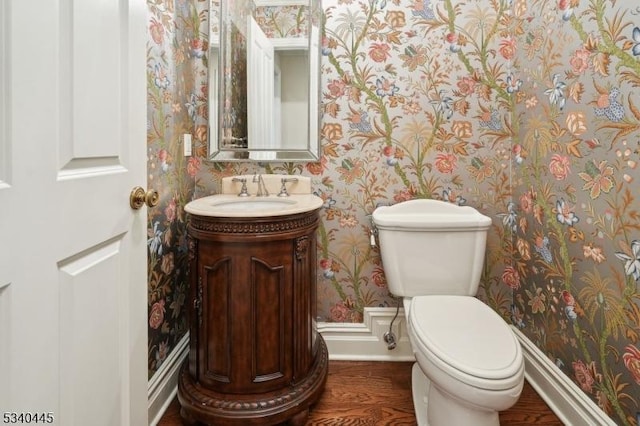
(379, 393)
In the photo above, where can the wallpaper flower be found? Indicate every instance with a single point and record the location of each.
(527, 110)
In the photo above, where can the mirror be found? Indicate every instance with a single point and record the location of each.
(264, 80)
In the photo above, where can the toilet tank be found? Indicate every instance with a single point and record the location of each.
(431, 247)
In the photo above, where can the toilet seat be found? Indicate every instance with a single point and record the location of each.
(460, 334)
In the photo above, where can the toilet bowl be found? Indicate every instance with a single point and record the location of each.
(469, 365)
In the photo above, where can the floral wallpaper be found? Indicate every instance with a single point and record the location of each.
(575, 246)
(416, 106)
(176, 104)
(234, 110)
(283, 21)
(527, 110)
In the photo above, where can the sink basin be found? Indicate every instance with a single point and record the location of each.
(230, 205)
(252, 205)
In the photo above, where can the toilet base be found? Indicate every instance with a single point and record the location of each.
(435, 408)
(419, 390)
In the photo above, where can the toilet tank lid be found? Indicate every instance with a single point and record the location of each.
(427, 213)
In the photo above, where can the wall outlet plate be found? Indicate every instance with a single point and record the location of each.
(186, 141)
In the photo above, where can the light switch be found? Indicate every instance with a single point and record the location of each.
(186, 141)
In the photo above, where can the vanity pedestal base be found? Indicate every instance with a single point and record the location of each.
(288, 405)
(256, 357)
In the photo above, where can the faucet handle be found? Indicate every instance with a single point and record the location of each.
(283, 189)
(243, 190)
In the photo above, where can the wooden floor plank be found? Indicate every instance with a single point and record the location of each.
(379, 394)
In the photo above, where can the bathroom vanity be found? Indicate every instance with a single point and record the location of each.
(255, 355)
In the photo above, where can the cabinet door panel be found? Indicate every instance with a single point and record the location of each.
(271, 322)
(216, 326)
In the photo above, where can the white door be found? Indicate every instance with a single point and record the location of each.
(73, 337)
(260, 91)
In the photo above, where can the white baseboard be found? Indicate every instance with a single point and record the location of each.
(563, 396)
(359, 342)
(345, 341)
(365, 341)
(163, 386)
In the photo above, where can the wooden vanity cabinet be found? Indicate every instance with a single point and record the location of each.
(255, 355)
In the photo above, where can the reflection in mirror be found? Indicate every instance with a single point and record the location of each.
(214, 59)
(264, 67)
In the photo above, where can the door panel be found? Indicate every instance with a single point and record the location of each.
(5, 119)
(72, 252)
(5, 179)
(5, 318)
(92, 131)
(93, 272)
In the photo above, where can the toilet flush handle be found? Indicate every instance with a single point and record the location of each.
(373, 231)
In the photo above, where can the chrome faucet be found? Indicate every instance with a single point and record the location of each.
(262, 188)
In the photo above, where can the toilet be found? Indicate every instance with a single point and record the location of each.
(469, 364)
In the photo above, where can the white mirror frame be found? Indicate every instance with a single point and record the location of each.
(269, 118)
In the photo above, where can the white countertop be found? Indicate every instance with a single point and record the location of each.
(230, 205)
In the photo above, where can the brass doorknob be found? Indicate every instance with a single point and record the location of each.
(139, 197)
